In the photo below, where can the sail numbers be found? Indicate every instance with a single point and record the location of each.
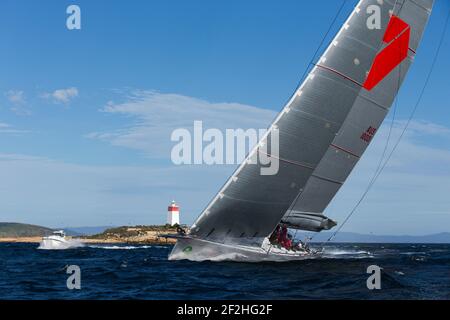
(368, 135)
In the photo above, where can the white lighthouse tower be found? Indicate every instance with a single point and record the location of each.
(173, 214)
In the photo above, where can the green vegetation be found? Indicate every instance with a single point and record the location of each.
(16, 230)
(135, 231)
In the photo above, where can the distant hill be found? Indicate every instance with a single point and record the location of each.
(133, 231)
(368, 238)
(16, 230)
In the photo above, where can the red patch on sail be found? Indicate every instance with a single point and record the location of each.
(395, 27)
(398, 34)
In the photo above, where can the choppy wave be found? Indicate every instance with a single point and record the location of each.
(114, 271)
(121, 247)
(345, 254)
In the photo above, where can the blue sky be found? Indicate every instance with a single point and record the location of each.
(86, 115)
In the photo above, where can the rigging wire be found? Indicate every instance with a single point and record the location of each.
(416, 106)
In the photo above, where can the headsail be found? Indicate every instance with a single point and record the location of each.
(326, 126)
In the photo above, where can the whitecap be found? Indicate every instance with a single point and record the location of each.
(115, 247)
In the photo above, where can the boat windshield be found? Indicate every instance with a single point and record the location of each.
(59, 233)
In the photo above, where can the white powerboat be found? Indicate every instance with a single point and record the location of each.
(57, 240)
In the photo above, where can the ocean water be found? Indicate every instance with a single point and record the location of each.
(410, 271)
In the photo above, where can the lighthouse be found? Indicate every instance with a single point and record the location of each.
(173, 214)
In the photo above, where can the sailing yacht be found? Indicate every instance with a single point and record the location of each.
(323, 132)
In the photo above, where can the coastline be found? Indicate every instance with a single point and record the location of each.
(159, 241)
(21, 240)
(136, 235)
(151, 238)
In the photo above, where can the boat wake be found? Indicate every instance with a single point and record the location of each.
(336, 253)
(198, 250)
(237, 257)
(219, 257)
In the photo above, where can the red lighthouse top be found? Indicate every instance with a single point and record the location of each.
(173, 207)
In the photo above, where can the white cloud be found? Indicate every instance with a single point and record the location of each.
(6, 128)
(56, 193)
(153, 117)
(18, 101)
(62, 95)
(422, 127)
(16, 96)
(411, 194)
